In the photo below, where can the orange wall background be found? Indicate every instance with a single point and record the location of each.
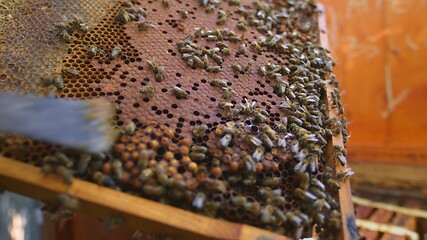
(380, 48)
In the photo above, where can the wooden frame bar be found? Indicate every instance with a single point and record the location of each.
(140, 213)
(349, 229)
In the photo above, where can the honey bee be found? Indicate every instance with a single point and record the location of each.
(318, 184)
(200, 130)
(242, 26)
(83, 163)
(197, 156)
(70, 71)
(228, 92)
(265, 128)
(117, 168)
(248, 66)
(83, 27)
(92, 50)
(237, 68)
(179, 93)
(66, 36)
(238, 201)
(130, 128)
(256, 47)
(184, 14)
(214, 69)
(199, 200)
(271, 181)
(199, 149)
(102, 179)
(190, 62)
(63, 160)
(341, 153)
(221, 20)
(143, 159)
(304, 195)
(252, 207)
(212, 38)
(254, 140)
(302, 154)
(165, 3)
(154, 67)
(346, 174)
(259, 115)
(154, 190)
(334, 124)
(279, 87)
(148, 89)
(65, 174)
(68, 201)
(234, 2)
(205, 61)
(225, 141)
(58, 82)
(141, 13)
(258, 153)
(248, 162)
(218, 59)
(262, 71)
(333, 184)
(318, 193)
(219, 83)
(236, 38)
(159, 77)
(210, 9)
(225, 105)
(217, 185)
(266, 214)
(221, 45)
(146, 174)
(226, 51)
(199, 62)
(115, 52)
(294, 218)
(127, 4)
(144, 24)
(123, 16)
(46, 168)
(242, 49)
(267, 141)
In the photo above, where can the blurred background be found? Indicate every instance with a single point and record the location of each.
(380, 50)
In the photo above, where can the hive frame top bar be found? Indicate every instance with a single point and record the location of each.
(140, 213)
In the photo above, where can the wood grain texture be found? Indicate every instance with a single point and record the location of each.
(149, 216)
(380, 49)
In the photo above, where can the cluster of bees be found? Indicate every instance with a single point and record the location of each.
(198, 57)
(68, 26)
(128, 12)
(251, 167)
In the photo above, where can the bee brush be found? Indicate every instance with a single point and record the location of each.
(85, 125)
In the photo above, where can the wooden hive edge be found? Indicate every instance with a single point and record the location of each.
(140, 213)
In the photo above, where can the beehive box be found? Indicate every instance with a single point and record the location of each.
(228, 109)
